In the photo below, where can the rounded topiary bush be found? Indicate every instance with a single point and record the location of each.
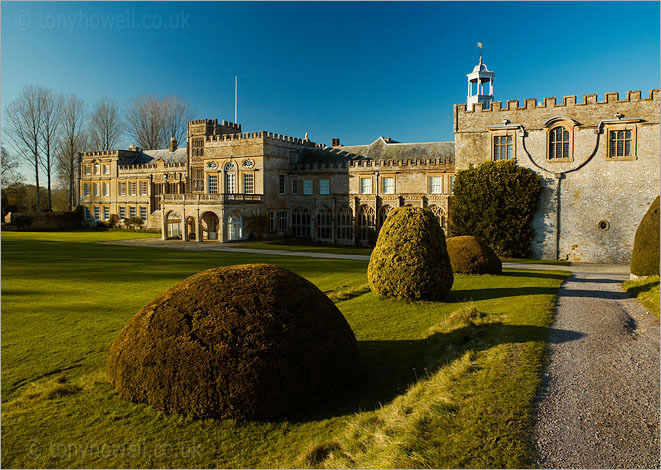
(470, 255)
(410, 259)
(247, 341)
(645, 255)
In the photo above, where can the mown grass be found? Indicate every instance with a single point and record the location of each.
(646, 290)
(439, 388)
(302, 245)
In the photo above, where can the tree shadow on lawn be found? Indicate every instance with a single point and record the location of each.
(389, 368)
(497, 293)
(537, 274)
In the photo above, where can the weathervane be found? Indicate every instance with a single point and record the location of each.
(479, 44)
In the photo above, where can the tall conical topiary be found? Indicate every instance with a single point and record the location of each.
(410, 259)
(645, 256)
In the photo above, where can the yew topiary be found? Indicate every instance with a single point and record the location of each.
(470, 255)
(249, 341)
(645, 255)
(410, 260)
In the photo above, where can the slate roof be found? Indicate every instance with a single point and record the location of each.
(380, 150)
(149, 156)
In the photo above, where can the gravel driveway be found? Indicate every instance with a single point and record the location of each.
(600, 403)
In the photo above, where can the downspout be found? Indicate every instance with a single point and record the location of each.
(559, 177)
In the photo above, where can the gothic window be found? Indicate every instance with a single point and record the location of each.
(324, 223)
(383, 214)
(300, 221)
(439, 213)
(502, 147)
(366, 222)
(345, 223)
(559, 144)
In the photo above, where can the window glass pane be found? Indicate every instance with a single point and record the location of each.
(436, 184)
(388, 185)
(628, 134)
(307, 187)
(229, 183)
(366, 185)
(620, 134)
(627, 148)
(213, 184)
(324, 186)
(248, 183)
(565, 150)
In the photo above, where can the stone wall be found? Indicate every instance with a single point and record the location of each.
(601, 199)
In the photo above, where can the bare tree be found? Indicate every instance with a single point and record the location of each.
(153, 121)
(51, 112)
(9, 165)
(73, 139)
(24, 124)
(105, 126)
(177, 115)
(146, 119)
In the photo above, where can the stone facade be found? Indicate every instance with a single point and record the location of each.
(208, 190)
(594, 194)
(599, 162)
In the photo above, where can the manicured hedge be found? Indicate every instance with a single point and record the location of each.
(496, 202)
(410, 260)
(248, 341)
(645, 255)
(470, 255)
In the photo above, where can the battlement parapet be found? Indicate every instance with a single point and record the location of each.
(417, 162)
(102, 153)
(151, 166)
(334, 166)
(552, 102)
(263, 135)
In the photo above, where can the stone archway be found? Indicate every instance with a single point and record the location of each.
(191, 229)
(173, 225)
(210, 226)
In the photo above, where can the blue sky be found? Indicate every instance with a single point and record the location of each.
(348, 70)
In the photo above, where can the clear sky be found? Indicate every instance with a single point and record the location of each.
(349, 70)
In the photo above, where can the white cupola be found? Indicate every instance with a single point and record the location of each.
(478, 81)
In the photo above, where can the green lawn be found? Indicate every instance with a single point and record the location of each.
(302, 245)
(646, 291)
(536, 261)
(438, 389)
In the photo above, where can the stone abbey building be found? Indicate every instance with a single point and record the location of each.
(599, 161)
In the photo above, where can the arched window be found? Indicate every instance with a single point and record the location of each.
(344, 223)
(439, 213)
(300, 222)
(559, 143)
(366, 222)
(383, 214)
(324, 223)
(235, 227)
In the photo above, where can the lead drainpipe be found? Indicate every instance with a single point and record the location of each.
(558, 177)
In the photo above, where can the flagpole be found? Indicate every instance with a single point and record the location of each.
(236, 86)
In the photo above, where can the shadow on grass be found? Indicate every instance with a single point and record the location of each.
(389, 368)
(496, 293)
(531, 273)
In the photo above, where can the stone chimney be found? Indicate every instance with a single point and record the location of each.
(173, 144)
(335, 142)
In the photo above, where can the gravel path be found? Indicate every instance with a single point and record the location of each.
(600, 403)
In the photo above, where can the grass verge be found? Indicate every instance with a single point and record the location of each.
(302, 245)
(451, 389)
(536, 261)
(646, 291)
